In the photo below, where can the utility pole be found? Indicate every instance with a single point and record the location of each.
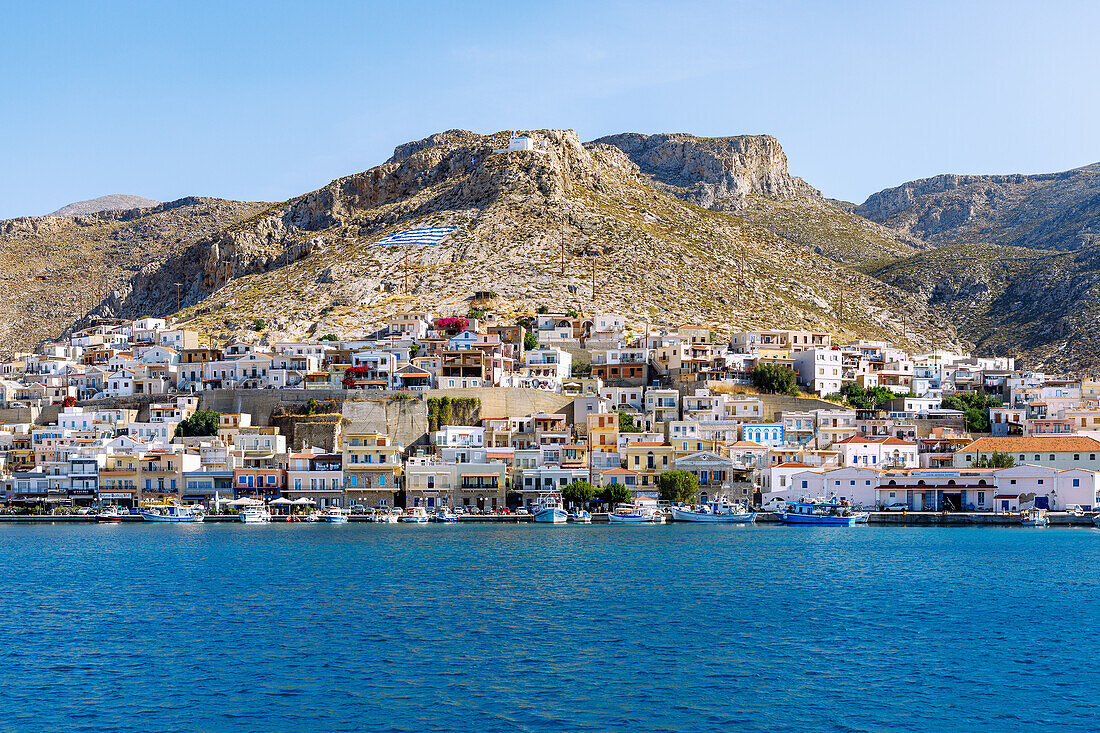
(178, 286)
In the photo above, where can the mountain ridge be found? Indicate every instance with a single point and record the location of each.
(110, 202)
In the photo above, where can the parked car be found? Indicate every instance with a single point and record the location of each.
(84, 510)
(898, 506)
(358, 509)
(521, 511)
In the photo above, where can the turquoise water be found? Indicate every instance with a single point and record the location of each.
(435, 627)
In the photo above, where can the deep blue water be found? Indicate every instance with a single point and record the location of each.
(407, 628)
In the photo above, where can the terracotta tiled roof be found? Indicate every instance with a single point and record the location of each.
(1016, 444)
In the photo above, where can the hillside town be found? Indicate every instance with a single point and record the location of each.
(109, 415)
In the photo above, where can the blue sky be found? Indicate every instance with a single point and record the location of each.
(263, 101)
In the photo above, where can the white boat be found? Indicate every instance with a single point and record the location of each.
(387, 517)
(333, 515)
(550, 509)
(255, 514)
(444, 515)
(414, 515)
(718, 511)
(581, 516)
(173, 513)
(634, 514)
(109, 515)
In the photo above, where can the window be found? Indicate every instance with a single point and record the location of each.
(1037, 457)
(805, 484)
(1012, 482)
(1040, 482)
(1076, 456)
(981, 498)
(1076, 482)
(1052, 456)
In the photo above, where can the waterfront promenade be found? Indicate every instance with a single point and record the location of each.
(896, 519)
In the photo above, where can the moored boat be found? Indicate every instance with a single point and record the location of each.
(254, 514)
(333, 515)
(550, 509)
(633, 514)
(717, 511)
(1034, 518)
(414, 515)
(444, 515)
(109, 515)
(174, 513)
(822, 513)
(581, 516)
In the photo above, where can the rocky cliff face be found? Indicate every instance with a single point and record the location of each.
(716, 173)
(1051, 211)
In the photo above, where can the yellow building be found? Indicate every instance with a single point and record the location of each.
(649, 460)
(372, 465)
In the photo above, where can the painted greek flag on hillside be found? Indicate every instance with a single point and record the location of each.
(422, 235)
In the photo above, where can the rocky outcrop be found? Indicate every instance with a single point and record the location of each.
(717, 172)
(1049, 211)
(112, 202)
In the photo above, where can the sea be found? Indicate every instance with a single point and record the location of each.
(375, 627)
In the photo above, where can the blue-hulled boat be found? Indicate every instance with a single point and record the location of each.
(822, 513)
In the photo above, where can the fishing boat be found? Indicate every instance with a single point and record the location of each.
(173, 513)
(550, 509)
(822, 513)
(109, 515)
(333, 515)
(717, 511)
(254, 514)
(414, 515)
(581, 516)
(634, 514)
(1034, 518)
(387, 517)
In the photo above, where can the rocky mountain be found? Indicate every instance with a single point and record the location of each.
(1015, 262)
(112, 202)
(565, 225)
(747, 176)
(54, 269)
(1050, 211)
(717, 173)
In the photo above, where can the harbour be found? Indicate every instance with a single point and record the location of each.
(500, 627)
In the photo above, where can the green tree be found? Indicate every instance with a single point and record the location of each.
(974, 406)
(578, 491)
(616, 494)
(202, 422)
(997, 460)
(860, 398)
(414, 349)
(571, 312)
(328, 337)
(258, 324)
(627, 424)
(774, 378)
(530, 340)
(477, 313)
(542, 310)
(677, 486)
